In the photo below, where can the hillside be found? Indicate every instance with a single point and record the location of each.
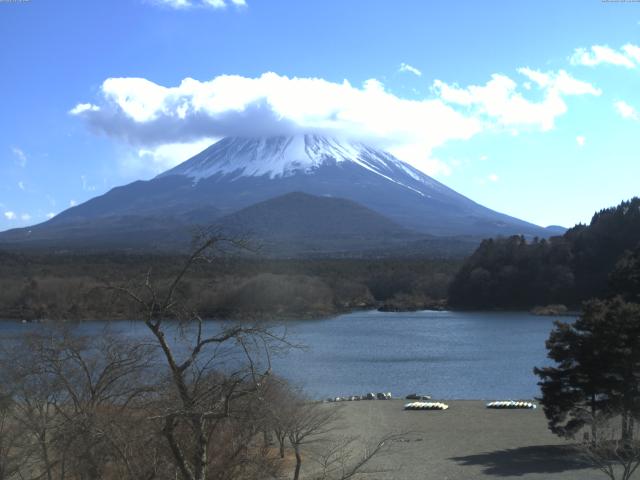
(581, 264)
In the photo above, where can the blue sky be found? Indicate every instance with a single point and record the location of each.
(529, 108)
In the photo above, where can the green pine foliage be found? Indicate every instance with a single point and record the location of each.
(596, 372)
(518, 273)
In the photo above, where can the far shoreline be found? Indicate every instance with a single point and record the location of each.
(306, 316)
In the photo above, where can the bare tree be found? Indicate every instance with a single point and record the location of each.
(74, 398)
(614, 454)
(208, 379)
(307, 423)
(343, 458)
(11, 440)
(35, 398)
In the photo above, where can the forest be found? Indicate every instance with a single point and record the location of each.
(588, 261)
(77, 287)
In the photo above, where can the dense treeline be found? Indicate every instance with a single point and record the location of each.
(583, 263)
(74, 286)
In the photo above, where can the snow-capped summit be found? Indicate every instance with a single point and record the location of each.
(285, 156)
(277, 156)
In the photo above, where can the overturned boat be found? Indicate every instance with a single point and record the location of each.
(426, 406)
(510, 404)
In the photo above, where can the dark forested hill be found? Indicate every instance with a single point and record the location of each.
(583, 263)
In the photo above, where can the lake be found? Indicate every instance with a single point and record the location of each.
(449, 355)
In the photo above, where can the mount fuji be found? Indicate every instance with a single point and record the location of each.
(332, 194)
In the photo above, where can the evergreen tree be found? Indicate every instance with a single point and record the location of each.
(597, 371)
(625, 278)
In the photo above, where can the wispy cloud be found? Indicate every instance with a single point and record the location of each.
(580, 140)
(625, 110)
(25, 217)
(83, 107)
(493, 177)
(72, 203)
(216, 4)
(21, 157)
(21, 185)
(85, 184)
(628, 56)
(9, 215)
(405, 67)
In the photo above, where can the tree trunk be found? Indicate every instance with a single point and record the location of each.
(178, 456)
(296, 473)
(594, 421)
(45, 454)
(201, 450)
(627, 426)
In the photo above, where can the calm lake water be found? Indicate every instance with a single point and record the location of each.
(450, 355)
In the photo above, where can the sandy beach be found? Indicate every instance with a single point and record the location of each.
(467, 441)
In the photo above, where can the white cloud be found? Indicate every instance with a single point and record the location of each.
(580, 140)
(602, 54)
(25, 217)
(632, 51)
(160, 158)
(21, 157)
(50, 215)
(163, 126)
(405, 67)
(72, 203)
(174, 3)
(625, 110)
(217, 4)
(21, 185)
(499, 99)
(493, 177)
(83, 107)
(10, 215)
(160, 122)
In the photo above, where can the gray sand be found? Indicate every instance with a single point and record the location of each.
(467, 441)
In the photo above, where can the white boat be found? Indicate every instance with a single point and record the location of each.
(510, 404)
(426, 406)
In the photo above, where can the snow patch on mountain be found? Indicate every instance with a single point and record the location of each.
(284, 156)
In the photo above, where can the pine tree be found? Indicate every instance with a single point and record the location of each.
(597, 371)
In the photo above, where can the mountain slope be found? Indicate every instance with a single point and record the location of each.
(297, 214)
(241, 171)
(236, 173)
(299, 223)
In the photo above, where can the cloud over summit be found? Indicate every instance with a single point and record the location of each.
(150, 117)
